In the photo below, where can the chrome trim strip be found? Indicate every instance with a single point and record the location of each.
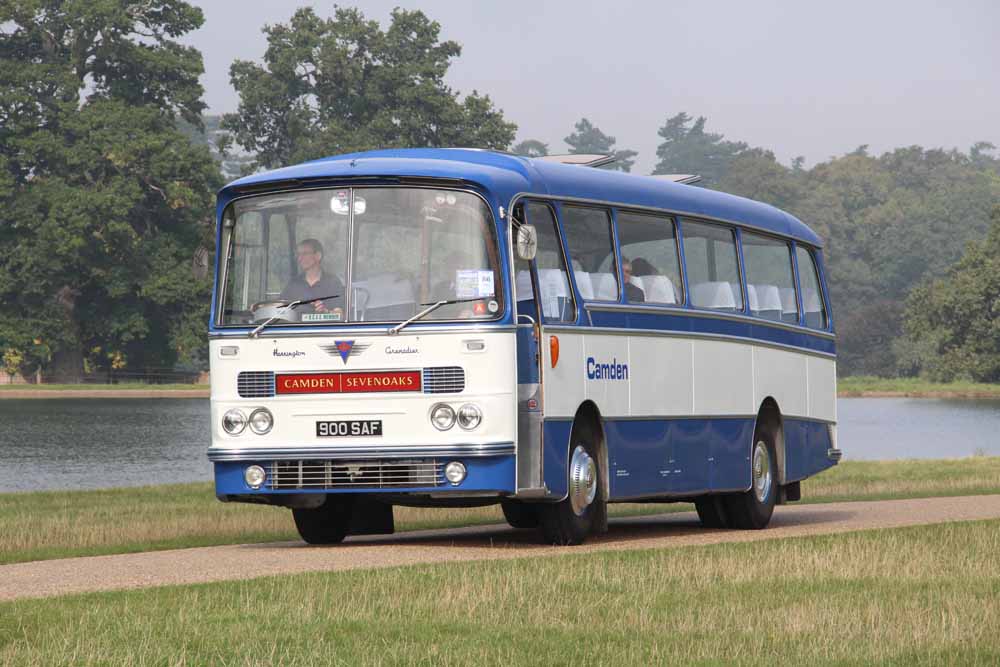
(709, 314)
(667, 211)
(653, 333)
(613, 418)
(216, 454)
(380, 332)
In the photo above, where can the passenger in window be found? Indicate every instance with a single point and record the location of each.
(314, 282)
(633, 293)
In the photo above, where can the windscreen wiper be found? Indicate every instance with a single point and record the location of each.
(426, 311)
(292, 306)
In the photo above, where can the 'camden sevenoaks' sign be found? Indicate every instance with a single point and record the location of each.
(345, 383)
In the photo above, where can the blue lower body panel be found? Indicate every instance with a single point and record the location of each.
(485, 474)
(806, 447)
(684, 457)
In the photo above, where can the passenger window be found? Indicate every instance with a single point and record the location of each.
(812, 297)
(770, 281)
(712, 267)
(591, 250)
(650, 267)
(556, 296)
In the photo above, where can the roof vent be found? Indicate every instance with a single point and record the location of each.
(582, 159)
(684, 179)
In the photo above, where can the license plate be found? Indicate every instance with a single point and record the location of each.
(348, 428)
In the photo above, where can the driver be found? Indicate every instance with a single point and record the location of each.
(314, 282)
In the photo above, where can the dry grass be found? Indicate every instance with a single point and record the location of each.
(928, 595)
(59, 524)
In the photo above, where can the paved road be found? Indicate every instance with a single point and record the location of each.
(186, 566)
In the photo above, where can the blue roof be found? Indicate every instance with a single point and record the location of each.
(506, 175)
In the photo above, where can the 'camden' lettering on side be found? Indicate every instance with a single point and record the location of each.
(612, 371)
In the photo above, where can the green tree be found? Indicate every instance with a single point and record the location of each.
(688, 149)
(587, 138)
(952, 325)
(343, 84)
(106, 205)
(530, 148)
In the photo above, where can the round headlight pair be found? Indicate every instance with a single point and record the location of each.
(443, 416)
(234, 421)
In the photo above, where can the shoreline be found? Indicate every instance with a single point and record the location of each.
(104, 393)
(205, 392)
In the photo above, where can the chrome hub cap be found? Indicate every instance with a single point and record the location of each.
(582, 480)
(762, 479)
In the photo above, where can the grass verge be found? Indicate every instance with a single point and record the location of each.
(869, 386)
(60, 524)
(926, 595)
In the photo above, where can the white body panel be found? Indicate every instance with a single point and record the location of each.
(490, 382)
(675, 376)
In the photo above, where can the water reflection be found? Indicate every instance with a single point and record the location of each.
(919, 428)
(99, 443)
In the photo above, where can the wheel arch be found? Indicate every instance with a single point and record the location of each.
(769, 420)
(589, 414)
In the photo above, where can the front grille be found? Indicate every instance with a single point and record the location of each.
(255, 384)
(359, 474)
(444, 380)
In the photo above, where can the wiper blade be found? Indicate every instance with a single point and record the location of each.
(291, 306)
(426, 311)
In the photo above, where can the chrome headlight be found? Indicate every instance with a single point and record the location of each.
(469, 416)
(261, 421)
(442, 416)
(254, 476)
(455, 472)
(234, 421)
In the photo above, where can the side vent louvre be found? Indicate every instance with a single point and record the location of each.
(255, 384)
(444, 380)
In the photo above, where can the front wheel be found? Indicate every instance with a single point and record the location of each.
(584, 508)
(326, 524)
(519, 515)
(752, 510)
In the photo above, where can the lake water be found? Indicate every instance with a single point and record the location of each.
(98, 443)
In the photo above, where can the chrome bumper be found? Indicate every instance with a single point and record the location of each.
(355, 453)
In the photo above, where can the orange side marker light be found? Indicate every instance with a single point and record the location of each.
(554, 350)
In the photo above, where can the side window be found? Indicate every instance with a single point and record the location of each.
(650, 266)
(812, 297)
(553, 281)
(713, 271)
(770, 281)
(591, 251)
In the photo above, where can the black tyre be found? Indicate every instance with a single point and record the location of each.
(712, 511)
(752, 510)
(520, 515)
(584, 510)
(326, 524)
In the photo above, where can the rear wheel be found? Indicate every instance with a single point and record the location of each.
(752, 510)
(326, 524)
(520, 515)
(584, 509)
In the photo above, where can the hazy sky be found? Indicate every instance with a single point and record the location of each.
(801, 78)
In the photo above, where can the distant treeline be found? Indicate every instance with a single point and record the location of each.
(108, 168)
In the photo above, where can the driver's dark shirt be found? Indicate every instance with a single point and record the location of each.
(300, 290)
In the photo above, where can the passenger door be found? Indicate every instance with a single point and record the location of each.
(542, 294)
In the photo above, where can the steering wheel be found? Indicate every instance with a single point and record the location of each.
(265, 310)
